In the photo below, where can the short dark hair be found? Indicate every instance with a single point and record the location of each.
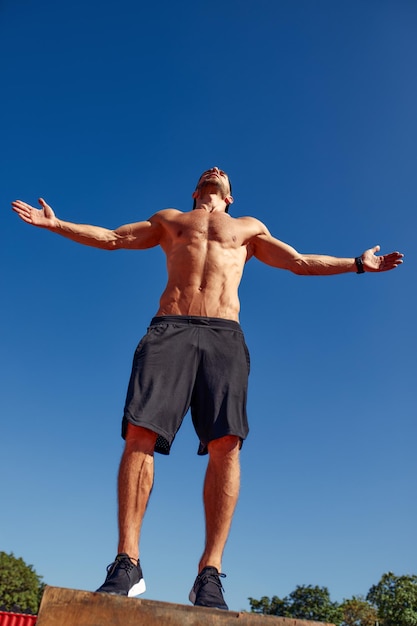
(230, 187)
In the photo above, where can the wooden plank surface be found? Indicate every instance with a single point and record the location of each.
(69, 607)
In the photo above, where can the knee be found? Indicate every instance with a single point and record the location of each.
(140, 439)
(224, 446)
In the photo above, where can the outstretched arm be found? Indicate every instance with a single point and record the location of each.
(137, 236)
(278, 254)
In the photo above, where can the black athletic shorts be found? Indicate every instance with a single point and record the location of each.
(193, 362)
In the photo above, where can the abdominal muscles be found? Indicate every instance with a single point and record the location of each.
(203, 280)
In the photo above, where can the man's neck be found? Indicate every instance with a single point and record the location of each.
(211, 203)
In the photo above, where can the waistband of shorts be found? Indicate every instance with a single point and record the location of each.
(196, 320)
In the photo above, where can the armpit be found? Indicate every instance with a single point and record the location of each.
(249, 251)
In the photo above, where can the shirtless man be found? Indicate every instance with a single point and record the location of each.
(193, 355)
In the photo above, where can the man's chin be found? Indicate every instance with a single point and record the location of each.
(212, 182)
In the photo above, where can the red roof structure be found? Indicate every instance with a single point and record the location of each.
(16, 619)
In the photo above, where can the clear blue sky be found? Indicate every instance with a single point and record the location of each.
(110, 111)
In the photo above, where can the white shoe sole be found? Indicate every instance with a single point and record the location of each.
(137, 589)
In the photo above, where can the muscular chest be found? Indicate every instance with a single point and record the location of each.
(199, 226)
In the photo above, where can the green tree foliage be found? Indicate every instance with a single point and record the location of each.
(275, 606)
(358, 612)
(20, 586)
(313, 603)
(392, 602)
(396, 599)
(305, 602)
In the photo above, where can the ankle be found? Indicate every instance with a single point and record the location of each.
(209, 563)
(132, 559)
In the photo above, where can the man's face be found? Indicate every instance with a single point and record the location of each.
(214, 177)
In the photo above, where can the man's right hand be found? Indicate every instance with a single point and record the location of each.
(43, 217)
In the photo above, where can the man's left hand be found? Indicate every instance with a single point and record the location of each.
(373, 263)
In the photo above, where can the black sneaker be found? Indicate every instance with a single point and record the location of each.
(207, 590)
(123, 578)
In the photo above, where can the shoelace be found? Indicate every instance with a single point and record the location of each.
(214, 578)
(123, 563)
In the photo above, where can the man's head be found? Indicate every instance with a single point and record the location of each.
(217, 181)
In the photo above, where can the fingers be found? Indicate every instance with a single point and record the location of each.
(22, 209)
(391, 261)
(394, 256)
(20, 204)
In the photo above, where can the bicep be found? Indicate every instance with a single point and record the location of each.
(274, 252)
(139, 235)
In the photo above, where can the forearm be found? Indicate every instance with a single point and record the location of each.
(94, 236)
(321, 265)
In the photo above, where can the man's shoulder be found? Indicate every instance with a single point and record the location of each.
(248, 219)
(252, 223)
(165, 215)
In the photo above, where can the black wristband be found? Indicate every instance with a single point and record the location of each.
(359, 265)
